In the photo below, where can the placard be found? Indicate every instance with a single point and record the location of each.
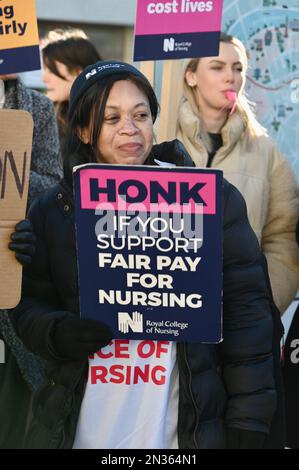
(149, 243)
(19, 40)
(16, 129)
(177, 29)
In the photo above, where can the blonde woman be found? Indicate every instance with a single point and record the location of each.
(219, 129)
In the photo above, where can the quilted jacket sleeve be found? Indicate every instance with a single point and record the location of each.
(278, 236)
(247, 323)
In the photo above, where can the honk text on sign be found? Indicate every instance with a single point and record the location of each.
(177, 29)
(149, 243)
(19, 41)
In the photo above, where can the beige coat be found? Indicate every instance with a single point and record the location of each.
(265, 179)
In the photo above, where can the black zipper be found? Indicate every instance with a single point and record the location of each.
(191, 395)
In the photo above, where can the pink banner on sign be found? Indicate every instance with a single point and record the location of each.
(146, 191)
(178, 16)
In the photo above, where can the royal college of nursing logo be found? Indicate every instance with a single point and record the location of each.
(168, 44)
(126, 321)
(171, 45)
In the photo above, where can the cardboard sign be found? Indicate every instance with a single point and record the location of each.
(19, 41)
(16, 128)
(177, 29)
(149, 243)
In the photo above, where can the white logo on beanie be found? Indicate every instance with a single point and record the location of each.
(101, 68)
(90, 74)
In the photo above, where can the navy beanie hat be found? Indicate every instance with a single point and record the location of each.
(93, 73)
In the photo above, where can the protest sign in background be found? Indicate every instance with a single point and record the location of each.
(19, 41)
(16, 128)
(149, 243)
(177, 29)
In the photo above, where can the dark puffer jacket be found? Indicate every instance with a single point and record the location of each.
(222, 387)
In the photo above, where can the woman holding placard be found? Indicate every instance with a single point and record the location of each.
(209, 396)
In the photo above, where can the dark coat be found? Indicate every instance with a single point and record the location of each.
(227, 386)
(22, 370)
(291, 381)
(291, 377)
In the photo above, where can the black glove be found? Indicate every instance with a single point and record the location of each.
(75, 338)
(172, 152)
(23, 242)
(240, 439)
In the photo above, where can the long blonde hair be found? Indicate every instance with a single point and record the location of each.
(245, 106)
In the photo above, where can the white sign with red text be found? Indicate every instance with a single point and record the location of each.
(130, 375)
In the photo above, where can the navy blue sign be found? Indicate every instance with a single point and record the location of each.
(149, 243)
(176, 46)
